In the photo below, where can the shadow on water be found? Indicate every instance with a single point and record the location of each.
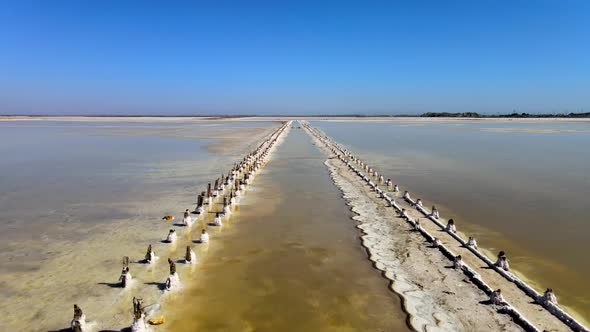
(111, 284)
(68, 329)
(160, 285)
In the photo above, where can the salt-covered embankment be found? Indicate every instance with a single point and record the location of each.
(220, 200)
(519, 304)
(74, 210)
(169, 278)
(435, 297)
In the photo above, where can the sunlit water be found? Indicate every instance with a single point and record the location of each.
(289, 260)
(516, 186)
(76, 197)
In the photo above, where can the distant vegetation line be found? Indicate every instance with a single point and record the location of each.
(424, 115)
(511, 115)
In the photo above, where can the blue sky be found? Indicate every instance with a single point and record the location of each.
(293, 57)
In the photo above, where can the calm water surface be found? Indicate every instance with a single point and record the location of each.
(64, 184)
(289, 260)
(519, 187)
(49, 166)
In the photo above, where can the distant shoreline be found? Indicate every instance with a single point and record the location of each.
(337, 118)
(428, 115)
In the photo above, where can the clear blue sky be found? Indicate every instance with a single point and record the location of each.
(295, 57)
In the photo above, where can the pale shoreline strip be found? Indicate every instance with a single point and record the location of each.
(555, 310)
(424, 311)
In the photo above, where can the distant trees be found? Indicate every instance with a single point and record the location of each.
(452, 115)
(511, 115)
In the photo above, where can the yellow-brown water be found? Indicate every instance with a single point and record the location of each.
(78, 196)
(517, 186)
(289, 260)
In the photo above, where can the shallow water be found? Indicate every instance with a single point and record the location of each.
(289, 260)
(60, 172)
(76, 197)
(516, 186)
